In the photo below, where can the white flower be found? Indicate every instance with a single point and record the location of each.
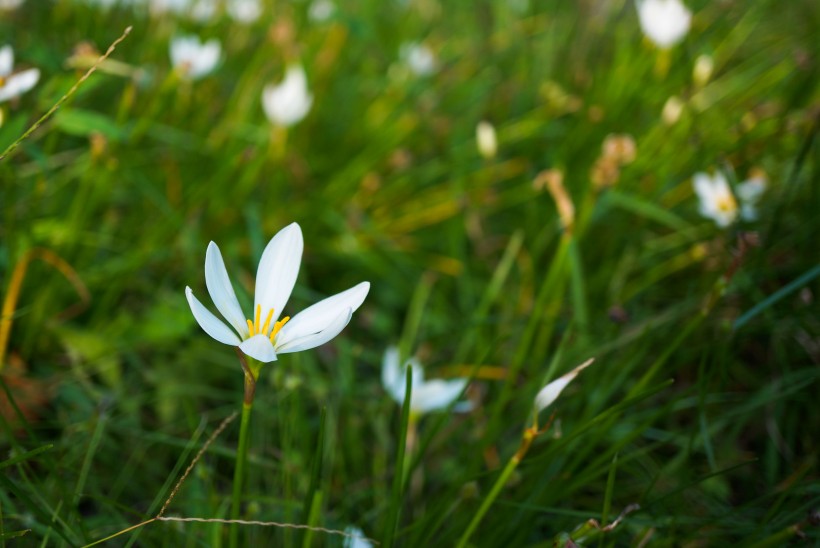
(716, 199)
(547, 395)
(426, 395)
(287, 103)
(486, 139)
(419, 58)
(356, 538)
(245, 11)
(192, 58)
(10, 4)
(321, 10)
(14, 85)
(749, 193)
(665, 22)
(263, 338)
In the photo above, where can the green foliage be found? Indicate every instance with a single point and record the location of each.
(701, 406)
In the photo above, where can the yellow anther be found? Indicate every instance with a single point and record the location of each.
(277, 326)
(250, 327)
(267, 322)
(256, 322)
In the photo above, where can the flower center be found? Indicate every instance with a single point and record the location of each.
(256, 327)
(726, 204)
(2, 81)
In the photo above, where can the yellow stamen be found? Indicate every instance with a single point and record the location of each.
(267, 322)
(256, 322)
(250, 327)
(277, 326)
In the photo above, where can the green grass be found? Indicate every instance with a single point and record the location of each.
(701, 406)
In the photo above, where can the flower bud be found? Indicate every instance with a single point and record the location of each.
(486, 139)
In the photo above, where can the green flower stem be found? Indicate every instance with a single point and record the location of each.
(499, 484)
(526, 440)
(251, 369)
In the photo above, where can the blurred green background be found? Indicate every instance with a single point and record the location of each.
(701, 406)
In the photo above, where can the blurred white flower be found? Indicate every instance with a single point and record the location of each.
(321, 10)
(356, 538)
(10, 4)
(192, 58)
(426, 395)
(749, 193)
(287, 103)
(486, 139)
(672, 110)
(161, 7)
(245, 11)
(704, 66)
(263, 338)
(665, 22)
(419, 58)
(716, 199)
(547, 395)
(14, 85)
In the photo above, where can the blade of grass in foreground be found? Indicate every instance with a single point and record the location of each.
(398, 475)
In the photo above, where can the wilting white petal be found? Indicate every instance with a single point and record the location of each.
(436, 394)
(259, 348)
(221, 290)
(665, 22)
(212, 325)
(550, 393)
(19, 83)
(288, 102)
(6, 60)
(278, 269)
(311, 341)
(317, 317)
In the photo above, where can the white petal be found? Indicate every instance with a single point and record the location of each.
(317, 317)
(391, 372)
(751, 190)
(19, 83)
(6, 60)
(212, 325)
(311, 341)
(702, 183)
(278, 269)
(221, 290)
(259, 348)
(550, 393)
(436, 394)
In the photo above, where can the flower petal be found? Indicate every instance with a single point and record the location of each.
(212, 325)
(278, 269)
(319, 316)
(313, 340)
(221, 290)
(550, 393)
(391, 373)
(259, 348)
(6, 60)
(436, 394)
(19, 83)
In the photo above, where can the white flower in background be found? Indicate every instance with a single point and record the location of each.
(672, 110)
(704, 67)
(486, 139)
(10, 4)
(192, 58)
(287, 103)
(355, 538)
(245, 11)
(321, 10)
(419, 58)
(749, 193)
(161, 7)
(547, 395)
(265, 336)
(14, 85)
(665, 22)
(426, 395)
(716, 199)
